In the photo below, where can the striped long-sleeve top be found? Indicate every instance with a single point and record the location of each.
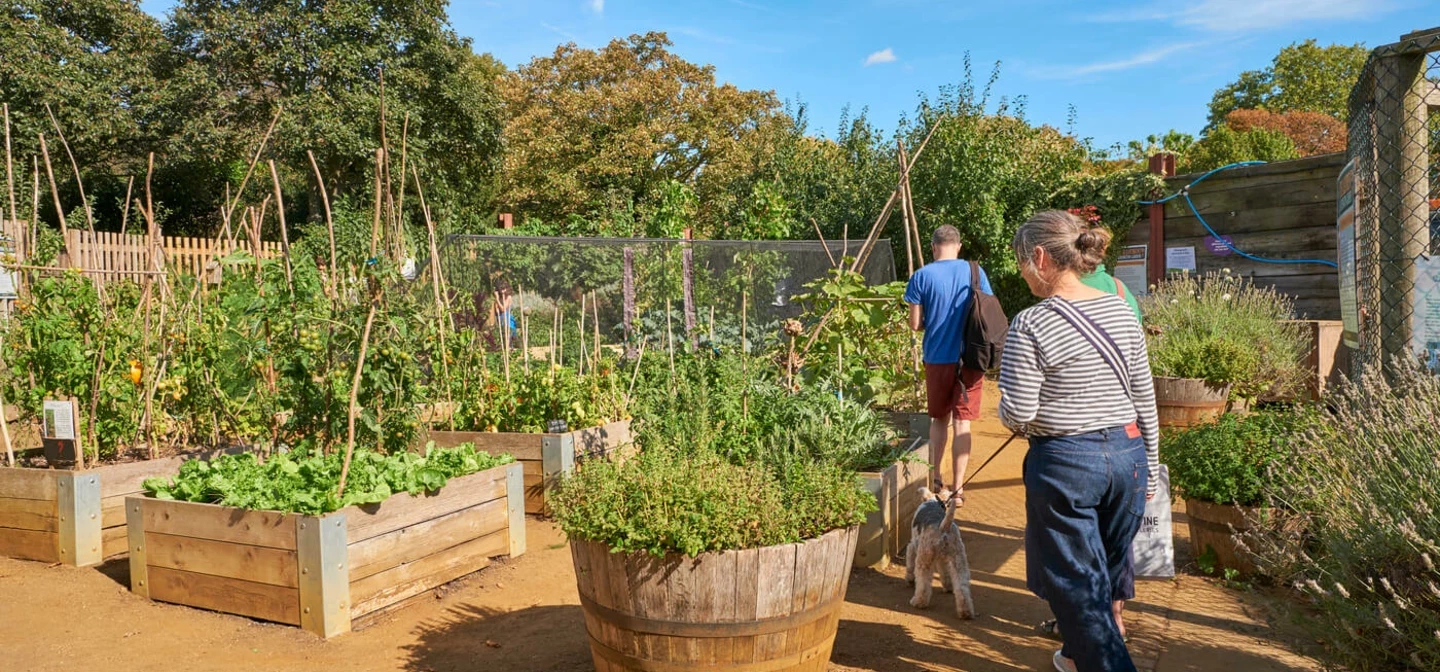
(1053, 381)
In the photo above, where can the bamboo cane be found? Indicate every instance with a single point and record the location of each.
(10, 190)
(595, 313)
(329, 223)
(824, 245)
(240, 192)
(890, 203)
(379, 199)
(353, 409)
(905, 213)
(669, 340)
(404, 142)
(79, 183)
(284, 233)
(635, 375)
(125, 209)
(55, 193)
(581, 370)
(35, 201)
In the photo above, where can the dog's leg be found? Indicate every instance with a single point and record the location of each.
(947, 577)
(960, 565)
(924, 572)
(910, 552)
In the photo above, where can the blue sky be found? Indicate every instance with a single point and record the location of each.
(1128, 68)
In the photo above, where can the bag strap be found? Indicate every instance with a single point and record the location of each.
(974, 277)
(1106, 346)
(1120, 289)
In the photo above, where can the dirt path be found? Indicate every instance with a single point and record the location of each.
(525, 615)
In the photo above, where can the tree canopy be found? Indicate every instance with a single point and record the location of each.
(1304, 77)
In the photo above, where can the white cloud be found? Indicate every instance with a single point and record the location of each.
(1141, 59)
(597, 6)
(886, 55)
(1248, 15)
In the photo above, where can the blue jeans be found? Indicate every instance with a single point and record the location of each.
(1084, 500)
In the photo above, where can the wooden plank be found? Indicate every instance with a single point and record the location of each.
(21, 483)
(1280, 172)
(112, 511)
(649, 597)
(380, 590)
(113, 541)
(616, 576)
(29, 544)
(119, 480)
(776, 583)
(597, 560)
(257, 564)
(29, 514)
(411, 543)
(1254, 220)
(522, 446)
(1320, 241)
(1238, 197)
(270, 529)
(404, 510)
(230, 596)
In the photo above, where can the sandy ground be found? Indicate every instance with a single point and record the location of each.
(525, 615)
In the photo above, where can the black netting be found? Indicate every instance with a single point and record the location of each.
(634, 290)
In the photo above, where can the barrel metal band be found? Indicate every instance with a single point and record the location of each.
(763, 626)
(1194, 404)
(772, 665)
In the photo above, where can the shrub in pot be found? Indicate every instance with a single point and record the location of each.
(709, 551)
(1217, 341)
(1222, 468)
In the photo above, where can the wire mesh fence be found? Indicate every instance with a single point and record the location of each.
(1389, 207)
(566, 295)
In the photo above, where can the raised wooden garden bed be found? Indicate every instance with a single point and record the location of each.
(771, 609)
(75, 517)
(544, 457)
(886, 531)
(323, 573)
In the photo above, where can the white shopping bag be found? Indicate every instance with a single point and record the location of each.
(1154, 547)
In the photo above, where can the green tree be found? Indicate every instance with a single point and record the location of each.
(233, 62)
(1225, 145)
(92, 62)
(627, 118)
(1304, 77)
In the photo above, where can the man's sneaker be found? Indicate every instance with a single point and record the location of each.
(1063, 664)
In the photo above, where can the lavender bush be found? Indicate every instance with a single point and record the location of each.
(1353, 524)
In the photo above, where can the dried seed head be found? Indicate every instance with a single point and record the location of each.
(1340, 588)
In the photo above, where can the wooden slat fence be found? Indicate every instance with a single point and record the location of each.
(114, 256)
(1283, 210)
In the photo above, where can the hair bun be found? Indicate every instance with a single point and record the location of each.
(1093, 240)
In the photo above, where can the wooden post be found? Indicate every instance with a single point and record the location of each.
(1404, 160)
(505, 220)
(1164, 166)
(687, 279)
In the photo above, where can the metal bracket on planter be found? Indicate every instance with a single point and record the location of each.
(321, 549)
(79, 495)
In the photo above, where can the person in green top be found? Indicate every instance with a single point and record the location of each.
(1105, 282)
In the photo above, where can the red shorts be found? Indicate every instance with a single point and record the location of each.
(951, 388)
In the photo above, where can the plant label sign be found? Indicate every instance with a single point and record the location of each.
(59, 430)
(59, 419)
(1220, 247)
(1179, 259)
(1133, 268)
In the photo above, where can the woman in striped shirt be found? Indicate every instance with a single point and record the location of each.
(1075, 378)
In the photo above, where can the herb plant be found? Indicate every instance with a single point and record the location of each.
(305, 481)
(1232, 460)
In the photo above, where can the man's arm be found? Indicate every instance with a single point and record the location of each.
(917, 317)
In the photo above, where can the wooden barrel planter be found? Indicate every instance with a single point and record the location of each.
(544, 457)
(1185, 402)
(772, 609)
(1211, 528)
(73, 517)
(323, 573)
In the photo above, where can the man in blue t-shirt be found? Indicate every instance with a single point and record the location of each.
(939, 296)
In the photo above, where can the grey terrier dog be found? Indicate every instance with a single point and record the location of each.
(935, 546)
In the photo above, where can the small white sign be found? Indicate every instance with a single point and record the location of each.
(59, 419)
(1132, 269)
(1180, 259)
